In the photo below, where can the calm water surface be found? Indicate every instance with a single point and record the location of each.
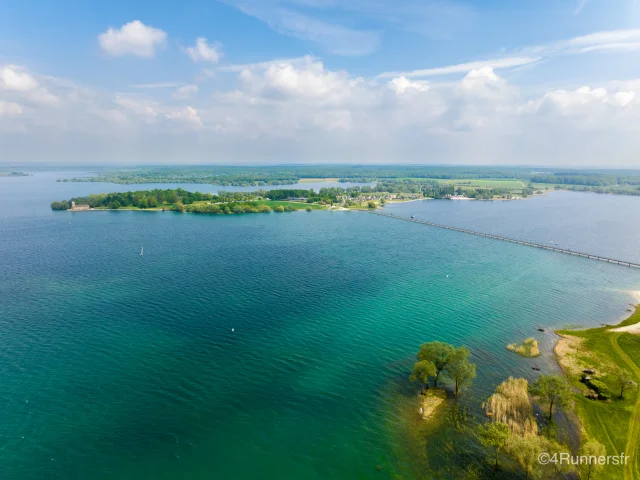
(118, 366)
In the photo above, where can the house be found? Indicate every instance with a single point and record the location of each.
(82, 206)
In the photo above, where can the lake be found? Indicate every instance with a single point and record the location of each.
(270, 346)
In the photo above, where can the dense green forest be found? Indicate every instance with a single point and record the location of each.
(598, 180)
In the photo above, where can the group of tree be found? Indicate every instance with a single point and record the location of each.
(436, 358)
(513, 430)
(229, 208)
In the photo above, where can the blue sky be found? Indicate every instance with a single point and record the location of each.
(264, 81)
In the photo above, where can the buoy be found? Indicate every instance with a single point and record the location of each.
(232, 329)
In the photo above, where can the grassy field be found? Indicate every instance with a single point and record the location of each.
(615, 424)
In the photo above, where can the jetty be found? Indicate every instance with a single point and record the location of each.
(575, 253)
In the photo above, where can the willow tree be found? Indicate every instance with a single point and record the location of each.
(459, 369)
(495, 436)
(625, 381)
(554, 390)
(437, 353)
(422, 370)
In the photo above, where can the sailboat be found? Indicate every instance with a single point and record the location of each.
(141, 250)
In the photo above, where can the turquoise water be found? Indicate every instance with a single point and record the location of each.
(120, 366)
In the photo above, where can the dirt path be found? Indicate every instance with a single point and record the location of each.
(631, 469)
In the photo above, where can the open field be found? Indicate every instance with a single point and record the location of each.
(615, 424)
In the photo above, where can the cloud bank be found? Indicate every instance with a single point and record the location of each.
(298, 110)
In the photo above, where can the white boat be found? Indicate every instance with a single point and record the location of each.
(141, 250)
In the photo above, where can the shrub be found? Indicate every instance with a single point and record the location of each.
(279, 208)
(601, 388)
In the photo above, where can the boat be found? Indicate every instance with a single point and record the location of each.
(141, 250)
(413, 216)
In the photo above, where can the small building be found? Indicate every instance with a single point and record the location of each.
(82, 206)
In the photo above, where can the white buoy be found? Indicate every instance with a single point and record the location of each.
(232, 329)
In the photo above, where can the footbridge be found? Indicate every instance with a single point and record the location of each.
(624, 263)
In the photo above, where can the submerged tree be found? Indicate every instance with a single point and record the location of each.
(422, 370)
(459, 369)
(495, 436)
(554, 390)
(437, 353)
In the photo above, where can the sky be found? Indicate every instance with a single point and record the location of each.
(236, 82)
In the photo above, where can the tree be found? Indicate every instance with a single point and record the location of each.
(592, 449)
(308, 209)
(625, 381)
(422, 370)
(437, 353)
(371, 204)
(526, 449)
(496, 436)
(553, 389)
(459, 369)
(279, 208)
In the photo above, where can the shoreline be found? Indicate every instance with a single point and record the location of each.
(592, 361)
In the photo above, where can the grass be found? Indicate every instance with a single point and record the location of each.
(529, 348)
(615, 424)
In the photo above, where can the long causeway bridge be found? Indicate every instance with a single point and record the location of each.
(512, 240)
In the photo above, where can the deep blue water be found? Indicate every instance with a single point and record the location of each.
(120, 366)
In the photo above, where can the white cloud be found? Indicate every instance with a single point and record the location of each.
(204, 52)
(134, 38)
(495, 63)
(10, 109)
(188, 115)
(260, 65)
(16, 78)
(307, 80)
(185, 92)
(303, 111)
(402, 85)
(607, 41)
(146, 110)
(288, 20)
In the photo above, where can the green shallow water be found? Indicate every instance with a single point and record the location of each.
(120, 366)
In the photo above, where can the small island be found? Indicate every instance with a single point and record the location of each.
(529, 348)
(14, 174)
(180, 200)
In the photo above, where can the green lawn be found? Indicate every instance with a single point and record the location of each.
(615, 424)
